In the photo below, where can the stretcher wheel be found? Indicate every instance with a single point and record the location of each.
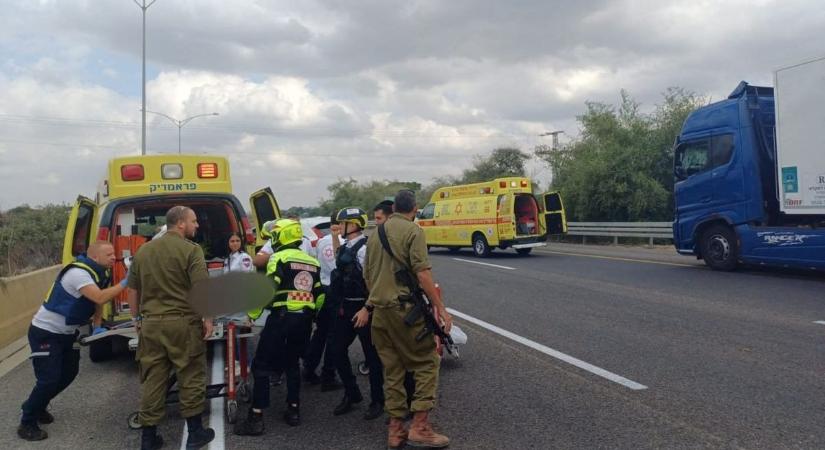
(363, 369)
(132, 421)
(244, 393)
(231, 411)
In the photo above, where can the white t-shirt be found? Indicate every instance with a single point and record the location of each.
(238, 262)
(306, 247)
(73, 280)
(326, 257)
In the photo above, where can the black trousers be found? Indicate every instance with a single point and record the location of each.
(56, 364)
(282, 342)
(344, 333)
(319, 344)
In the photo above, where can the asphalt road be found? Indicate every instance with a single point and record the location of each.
(605, 348)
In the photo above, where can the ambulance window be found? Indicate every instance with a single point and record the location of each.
(82, 229)
(428, 211)
(263, 209)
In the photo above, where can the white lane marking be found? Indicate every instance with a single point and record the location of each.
(216, 404)
(484, 264)
(821, 322)
(617, 258)
(550, 352)
(184, 438)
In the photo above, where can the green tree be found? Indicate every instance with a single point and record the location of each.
(619, 169)
(348, 192)
(31, 238)
(502, 162)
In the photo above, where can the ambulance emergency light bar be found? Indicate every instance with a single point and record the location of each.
(135, 172)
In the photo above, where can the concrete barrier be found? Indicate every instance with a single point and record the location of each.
(20, 296)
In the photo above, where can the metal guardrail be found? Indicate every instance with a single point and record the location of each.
(649, 230)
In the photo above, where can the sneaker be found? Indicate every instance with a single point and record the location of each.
(292, 415)
(253, 425)
(45, 418)
(374, 411)
(31, 432)
(199, 438)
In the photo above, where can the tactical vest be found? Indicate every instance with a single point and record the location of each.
(298, 279)
(77, 311)
(348, 276)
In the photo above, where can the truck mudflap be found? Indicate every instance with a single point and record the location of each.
(782, 246)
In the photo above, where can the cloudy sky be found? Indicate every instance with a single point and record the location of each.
(314, 90)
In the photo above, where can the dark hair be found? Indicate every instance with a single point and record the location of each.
(385, 207)
(175, 215)
(231, 235)
(404, 201)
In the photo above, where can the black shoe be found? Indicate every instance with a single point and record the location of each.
(330, 385)
(199, 438)
(31, 432)
(45, 418)
(346, 404)
(252, 426)
(374, 411)
(292, 415)
(311, 377)
(153, 442)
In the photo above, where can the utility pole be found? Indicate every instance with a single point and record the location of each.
(555, 135)
(143, 6)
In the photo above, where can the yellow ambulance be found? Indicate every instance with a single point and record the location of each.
(130, 208)
(502, 213)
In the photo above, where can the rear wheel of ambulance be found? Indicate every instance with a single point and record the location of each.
(480, 246)
(719, 248)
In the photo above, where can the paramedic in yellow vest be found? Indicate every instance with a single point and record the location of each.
(298, 295)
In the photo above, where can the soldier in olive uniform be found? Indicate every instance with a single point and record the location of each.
(171, 333)
(395, 341)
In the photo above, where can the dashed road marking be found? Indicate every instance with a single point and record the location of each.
(630, 384)
(484, 264)
(821, 322)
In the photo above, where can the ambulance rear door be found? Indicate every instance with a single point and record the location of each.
(264, 208)
(554, 218)
(79, 229)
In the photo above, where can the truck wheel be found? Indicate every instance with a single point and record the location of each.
(101, 350)
(480, 246)
(719, 248)
(524, 251)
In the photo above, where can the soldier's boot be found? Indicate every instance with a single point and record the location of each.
(198, 435)
(31, 432)
(149, 439)
(253, 425)
(396, 434)
(292, 415)
(422, 434)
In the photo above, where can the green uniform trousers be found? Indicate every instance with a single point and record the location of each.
(167, 344)
(400, 353)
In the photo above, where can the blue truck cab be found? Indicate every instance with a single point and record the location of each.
(727, 208)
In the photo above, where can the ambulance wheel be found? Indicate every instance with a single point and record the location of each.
(132, 421)
(480, 246)
(524, 251)
(101, 350)
(244, 392)
(231, 411)
(719, 248)
(363, 369)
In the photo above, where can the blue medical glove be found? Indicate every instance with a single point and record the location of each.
(99, 330)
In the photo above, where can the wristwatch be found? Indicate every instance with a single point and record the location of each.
(369, 307)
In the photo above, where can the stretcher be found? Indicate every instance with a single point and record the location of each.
(234, 388)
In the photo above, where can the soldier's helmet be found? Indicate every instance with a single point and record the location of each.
(284, 232)
(356, 216)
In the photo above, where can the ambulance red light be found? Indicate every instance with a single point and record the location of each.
(131, 172)
(207, 170)
(502, 184)
(487, 190)
(442, 195)
(523, 183)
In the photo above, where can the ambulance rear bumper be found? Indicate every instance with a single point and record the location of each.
(531, 245)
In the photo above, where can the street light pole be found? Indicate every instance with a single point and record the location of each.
(143, 7)
(555, 135)
(181, 123)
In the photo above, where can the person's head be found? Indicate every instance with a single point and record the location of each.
(334, 226)
(102, 252)
(405, 203)
(285, 233)
(294, 217)
(233, 242)
(382, 211)
(181, 220)
(352, 220)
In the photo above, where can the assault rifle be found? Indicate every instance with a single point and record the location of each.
(421, 303)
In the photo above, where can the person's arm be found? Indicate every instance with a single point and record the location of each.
(420, 264)
(261, 258)
(133, 299)
(101, 296)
